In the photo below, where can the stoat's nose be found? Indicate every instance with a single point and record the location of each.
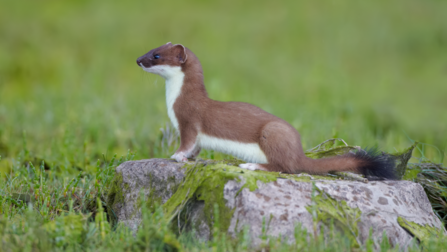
(141, 60)
(144, 61)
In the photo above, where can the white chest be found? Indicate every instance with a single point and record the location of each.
(173, 90)
(174, 81)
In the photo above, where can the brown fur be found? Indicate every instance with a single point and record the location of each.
(237, 121)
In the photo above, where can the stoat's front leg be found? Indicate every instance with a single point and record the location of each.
(182, 156)
(188, 145)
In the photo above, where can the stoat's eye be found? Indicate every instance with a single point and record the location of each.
(156, 56)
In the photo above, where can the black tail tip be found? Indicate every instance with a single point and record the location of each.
(376, 166)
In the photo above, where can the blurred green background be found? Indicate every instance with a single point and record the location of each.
(370, 72)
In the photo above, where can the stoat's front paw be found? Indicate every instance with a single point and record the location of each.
(180, 157)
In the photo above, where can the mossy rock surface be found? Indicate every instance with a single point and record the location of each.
(193, 193)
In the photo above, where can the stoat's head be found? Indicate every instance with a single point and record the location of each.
(166, 60)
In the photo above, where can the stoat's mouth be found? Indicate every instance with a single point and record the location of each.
(140, 62)
(147, 69)
(165, 71)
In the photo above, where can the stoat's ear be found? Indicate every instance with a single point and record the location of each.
(168, 43)
(181, 50)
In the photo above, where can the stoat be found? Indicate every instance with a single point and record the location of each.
(245, 131)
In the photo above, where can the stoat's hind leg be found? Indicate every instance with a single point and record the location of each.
(252, 166)
(281, 144)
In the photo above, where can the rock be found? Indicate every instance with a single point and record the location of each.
(374, 205)
(244, 198)
(154, 179)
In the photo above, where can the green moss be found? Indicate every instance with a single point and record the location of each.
(411, 173)
(424, 233)
(402, 159)
(326, 209)
(116, 194)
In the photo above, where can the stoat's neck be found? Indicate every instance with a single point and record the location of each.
(186, 81)
(194, 87)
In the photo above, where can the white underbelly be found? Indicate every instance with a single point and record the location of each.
(249, 152)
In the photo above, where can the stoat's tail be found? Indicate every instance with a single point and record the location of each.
(368, 162)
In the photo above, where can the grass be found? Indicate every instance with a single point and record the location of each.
(71, 95)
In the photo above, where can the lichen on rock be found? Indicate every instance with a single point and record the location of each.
(335, 214)
(115, 197)
(424, 233)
